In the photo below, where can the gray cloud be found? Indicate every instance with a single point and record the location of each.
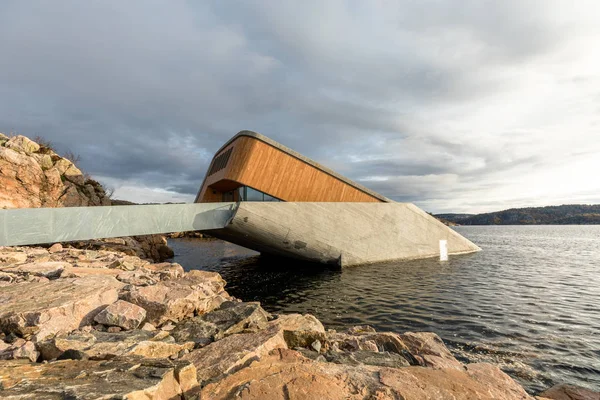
(455, 108)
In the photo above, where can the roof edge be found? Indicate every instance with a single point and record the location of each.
(303, 158)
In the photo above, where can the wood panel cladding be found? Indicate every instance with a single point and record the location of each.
(264, 167)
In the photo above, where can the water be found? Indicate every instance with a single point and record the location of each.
(528, 302)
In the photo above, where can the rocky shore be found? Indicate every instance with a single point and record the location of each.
(99, 324)
(106, 319)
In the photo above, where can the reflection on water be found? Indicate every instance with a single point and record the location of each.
(528, 302)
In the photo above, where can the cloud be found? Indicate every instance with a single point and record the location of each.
(457, 108)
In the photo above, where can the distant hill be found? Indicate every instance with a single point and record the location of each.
(569, 214)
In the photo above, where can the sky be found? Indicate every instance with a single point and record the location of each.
(470, 106)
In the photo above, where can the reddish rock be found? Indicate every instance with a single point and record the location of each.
(198, 292)
(55, 248)
(122, 314)
(123, 378)
(285, 374)
(166, 270)
(232, 352)
(20, 349)
(298, 322)
(48, 269)
(45, 308)
(569, 392)
(431, 349)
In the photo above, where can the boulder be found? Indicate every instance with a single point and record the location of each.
(234, 317)
(45, 308)
(22, 144)
(122, 314)
(430, 348)
(569, 392)
(78, 272)
(10, 256)
(166, 270)
(31, 179)
(198, 292)
(98, 345)
(49, 269)
(121, 378)
(196, 330)
(19, 349)
(298, 322)
(233, 352)
(55, 248)
(287, 374)
(364, 357)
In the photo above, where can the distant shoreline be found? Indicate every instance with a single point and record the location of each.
(568, 214)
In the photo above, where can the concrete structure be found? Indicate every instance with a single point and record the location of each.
(24, 226)
(341, 234)
(310, 212)
(266, 197)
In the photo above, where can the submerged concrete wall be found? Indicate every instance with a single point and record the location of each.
(342, 233)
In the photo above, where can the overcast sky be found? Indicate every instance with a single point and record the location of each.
(457, 106)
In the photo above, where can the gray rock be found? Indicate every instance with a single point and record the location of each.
(234, 317)
(359, 357)
(45, 308)
(304, 339)
(121, 314)
(569, 392)
(316, 345)
(195, 329)
(121, 378)
(97, 345)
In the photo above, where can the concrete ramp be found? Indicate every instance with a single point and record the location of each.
(26, 226)
(342, 234)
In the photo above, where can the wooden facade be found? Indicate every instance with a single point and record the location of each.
(253, 160)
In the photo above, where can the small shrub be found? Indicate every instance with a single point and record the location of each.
(46, 146)
(74, 158)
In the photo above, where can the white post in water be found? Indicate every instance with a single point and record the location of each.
(443, 250)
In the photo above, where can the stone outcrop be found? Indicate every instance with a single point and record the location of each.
(97, 345)
(44, 308)
(35, 176)
(99, 324)
(32, 175)
(569, 392)
(198, 292)
(122, 314)
(284, 374)
(122, 378)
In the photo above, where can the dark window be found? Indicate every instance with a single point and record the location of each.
(247, 193)
(220, 162)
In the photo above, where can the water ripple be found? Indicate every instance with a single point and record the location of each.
(528, 302)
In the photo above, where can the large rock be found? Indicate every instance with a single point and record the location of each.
(231, 317)
(569, 392)
(48, 269)
(45, 308)
(234, 317)
(129, 378)
(29, 178)
(198, 292)
(122, 314)
(430, 350)
(196, 330)
(286, 374)
(298, 322)
(22, 144)
(106, 345)
(233, 352)
(166, 270)
(19, 349)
